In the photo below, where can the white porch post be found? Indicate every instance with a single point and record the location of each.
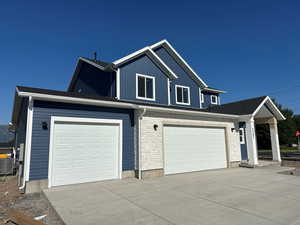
(275, 140)
(251, 142)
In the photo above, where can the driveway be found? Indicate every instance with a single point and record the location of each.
(228, 196)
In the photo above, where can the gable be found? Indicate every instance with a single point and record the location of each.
(93, 81)
(172, 64)
(142, 65)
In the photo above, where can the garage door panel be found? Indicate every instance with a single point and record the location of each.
(84, 152)
(190, 149)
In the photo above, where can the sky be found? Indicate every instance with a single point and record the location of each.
(248, 48)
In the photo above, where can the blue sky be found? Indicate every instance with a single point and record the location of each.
(247, 48)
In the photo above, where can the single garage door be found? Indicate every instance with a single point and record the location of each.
(190, 149)
(84, 152)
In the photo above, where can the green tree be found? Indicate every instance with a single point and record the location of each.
(286, 129)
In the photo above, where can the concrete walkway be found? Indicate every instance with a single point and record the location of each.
(228, 197)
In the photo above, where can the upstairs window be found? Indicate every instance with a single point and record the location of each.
(214, 99)
(145, 87)
(182, 95)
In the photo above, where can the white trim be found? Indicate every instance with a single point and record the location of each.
(242, 135)
(214, 90)
(219, 100)
(182, 60)
(84, 101)
(273, 106)
(149, 52)
(189, 97)
(211, 99)
(84, 120)
(137, 90)
(92, 63)
(169, 94)
(118, 89)
(200, 98)
(28, 137)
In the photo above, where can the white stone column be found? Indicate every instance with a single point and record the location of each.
(275, 140)
(251, 142)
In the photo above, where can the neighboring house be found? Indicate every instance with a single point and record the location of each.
(147, 114)
(6, 140)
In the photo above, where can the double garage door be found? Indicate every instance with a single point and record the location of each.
(84, 152)
(188, 149)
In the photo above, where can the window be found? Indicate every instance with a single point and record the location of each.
(182, 95)
(214, 99)
(242, 136)
(202, 98)
(145, 87)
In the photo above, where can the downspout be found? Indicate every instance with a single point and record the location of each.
(140, 117)
(25, 153)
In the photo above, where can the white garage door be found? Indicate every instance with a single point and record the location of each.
(190, 149)
(84, 152)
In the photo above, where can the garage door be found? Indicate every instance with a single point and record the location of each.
(190, 149)
(84, 152)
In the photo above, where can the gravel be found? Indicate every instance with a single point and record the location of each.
(29, 204)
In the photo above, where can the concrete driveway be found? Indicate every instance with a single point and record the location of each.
(229, 196)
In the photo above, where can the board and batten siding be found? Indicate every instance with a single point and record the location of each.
(142, 65)
(207, 99)
(183, 79)
(43, 111)
(93, 81)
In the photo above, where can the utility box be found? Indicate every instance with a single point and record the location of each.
(6, 166)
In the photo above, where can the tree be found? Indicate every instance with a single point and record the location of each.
(286, 129)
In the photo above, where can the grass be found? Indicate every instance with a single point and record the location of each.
(2, 179)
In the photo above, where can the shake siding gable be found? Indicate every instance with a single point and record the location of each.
(40, 138)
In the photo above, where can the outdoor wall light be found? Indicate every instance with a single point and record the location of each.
(44, 125)
(233, 129)
(155, 126)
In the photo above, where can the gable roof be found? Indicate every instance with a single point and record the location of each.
(150, 53)
(179, 60)
(97, 63)
(248, 107)
(6, 136)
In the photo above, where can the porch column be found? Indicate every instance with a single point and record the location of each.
(251, 142)
(275, 140)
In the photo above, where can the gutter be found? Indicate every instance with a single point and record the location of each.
(140, 117)
(76, 100)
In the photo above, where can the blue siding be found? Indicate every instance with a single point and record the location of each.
(142, 65)
(41, 138)
(183, 78)
(93, 81)
(207, 99)
(244, 152)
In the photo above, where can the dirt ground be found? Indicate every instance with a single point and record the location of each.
(31, 204)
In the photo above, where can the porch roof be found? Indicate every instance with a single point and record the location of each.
(249, 107)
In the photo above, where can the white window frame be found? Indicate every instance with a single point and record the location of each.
(242, 135)
(202, 98)
(189, 96)
(137, 90)
(211, 100)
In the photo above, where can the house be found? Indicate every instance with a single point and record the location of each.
(6, 140)
(146, 114)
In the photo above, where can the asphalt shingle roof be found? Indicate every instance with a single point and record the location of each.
(243, 107)
(100, 63)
